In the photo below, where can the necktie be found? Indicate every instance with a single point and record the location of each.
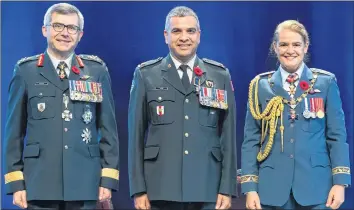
(185, 78)
(292, 78)
(62, 74)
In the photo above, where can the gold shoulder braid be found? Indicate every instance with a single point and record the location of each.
(271, 114)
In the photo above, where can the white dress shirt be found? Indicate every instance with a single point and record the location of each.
(285, 74)
(190, 65)
(56, 62)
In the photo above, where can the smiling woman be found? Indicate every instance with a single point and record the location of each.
(290, 43)
(313, 173)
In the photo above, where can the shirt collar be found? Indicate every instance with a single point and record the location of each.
(285, 74)
(190, 63)
(56, 61)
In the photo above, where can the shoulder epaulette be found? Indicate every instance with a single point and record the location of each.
(212, 62)
(150, 62)
(26, 59)
(265, 73)
(91, 58)
(322, 72)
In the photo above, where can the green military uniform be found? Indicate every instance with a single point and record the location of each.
(71, 145)
(179, 149)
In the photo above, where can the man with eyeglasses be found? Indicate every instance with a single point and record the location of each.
(63, 105)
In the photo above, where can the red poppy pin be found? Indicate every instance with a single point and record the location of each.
(198, 71)
(304, 85)
(75, 70)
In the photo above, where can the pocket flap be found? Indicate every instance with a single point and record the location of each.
(216, 153)
(160, 95)
(94, 150)
(151, 152)
(31, 150)
(41, 92)
(320, 159)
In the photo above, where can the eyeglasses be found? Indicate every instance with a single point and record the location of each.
(59, 27)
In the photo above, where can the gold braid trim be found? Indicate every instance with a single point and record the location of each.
(270, 115)
(13, 176)
(341, 170)
(249, 178)
(110, 173)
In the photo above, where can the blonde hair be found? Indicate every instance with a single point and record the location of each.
(294, 26)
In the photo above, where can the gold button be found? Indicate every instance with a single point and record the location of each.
(186, 117)
(186, 152)
(186, 134)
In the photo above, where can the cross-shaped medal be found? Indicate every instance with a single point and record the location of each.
(293, 116)
(66, 115)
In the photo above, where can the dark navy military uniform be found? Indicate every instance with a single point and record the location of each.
(315, 154)
(186, 153)
(60, 160)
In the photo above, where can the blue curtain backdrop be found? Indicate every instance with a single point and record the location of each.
(237, 34)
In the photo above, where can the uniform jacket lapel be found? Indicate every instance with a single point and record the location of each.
(170, 74)
(49, 72)
(277, 85)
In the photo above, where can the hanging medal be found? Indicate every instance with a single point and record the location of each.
(313, 108)
(196, 83)
(87, 116)
(66, 115)
(306, 113)
(320, 111)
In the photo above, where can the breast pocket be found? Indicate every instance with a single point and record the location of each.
(161, 107)
(42, 103)
(208, 116)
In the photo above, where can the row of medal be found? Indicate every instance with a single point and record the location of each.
(314, 107)
(213, 97)
(85, 91)
(86, 117)
(210, 96)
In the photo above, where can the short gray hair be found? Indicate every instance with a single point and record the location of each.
(63, 9)
(180, 11)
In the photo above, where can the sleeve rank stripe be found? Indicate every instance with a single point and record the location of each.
(341, 170)
(13, 176)
(249, 178)
(110, 173)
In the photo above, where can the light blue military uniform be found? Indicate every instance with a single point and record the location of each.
(187, 152)
(64, 157)
(315, 154)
